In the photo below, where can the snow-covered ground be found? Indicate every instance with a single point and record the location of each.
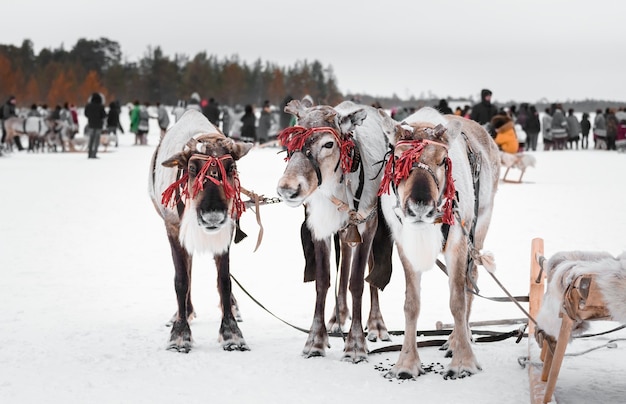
(87, 288)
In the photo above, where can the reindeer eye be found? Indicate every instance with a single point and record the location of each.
(192, 170)
(328, 145)
(443, 162)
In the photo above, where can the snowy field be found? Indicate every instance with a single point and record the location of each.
(87, 288)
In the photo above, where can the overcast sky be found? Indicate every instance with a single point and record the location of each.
(521, 50)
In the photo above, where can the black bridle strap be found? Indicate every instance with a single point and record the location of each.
(359, 190)
(180, 206)
(315, 165)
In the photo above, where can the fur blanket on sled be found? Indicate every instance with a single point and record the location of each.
(563, 267)
(521, 161)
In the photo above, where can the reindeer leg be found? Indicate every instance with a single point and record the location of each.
(318, 336)
(230, 335)
(409, 364)
(355, 349)
(180, 336)
(463, 360)
(235, 308)
(335, 324)
(381, 251)
(376, 327)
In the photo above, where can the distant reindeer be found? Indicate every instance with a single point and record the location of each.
(437, 196)
(332, 171)
(34, 127)
(195, 188)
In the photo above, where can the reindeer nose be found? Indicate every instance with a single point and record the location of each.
(420, 211)
(289, 193)
(211, 219)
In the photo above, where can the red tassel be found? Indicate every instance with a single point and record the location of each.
(449, 194)
(345, 154)
(399, 168)
(385, 182)
(181, 184)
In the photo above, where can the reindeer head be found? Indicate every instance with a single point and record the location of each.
(419, 170)
(208, 182)
(319, 149)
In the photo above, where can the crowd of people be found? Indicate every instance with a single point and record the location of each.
(517, 129)
(513, 128)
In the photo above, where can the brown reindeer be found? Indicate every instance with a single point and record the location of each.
(437, 197)
(331, 170)
(195, 188)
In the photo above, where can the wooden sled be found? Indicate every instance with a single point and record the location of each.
(520, 161)
(519, 180)
(582, 300)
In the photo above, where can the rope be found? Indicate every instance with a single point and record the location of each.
(488, 336)
(526, 313)
(525, 360)
(443, 268)
(264, 308)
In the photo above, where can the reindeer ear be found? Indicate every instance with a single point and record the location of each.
(388, 125)
(240, 149)
(178, 160)
(440, 130)
(349, 122)
(307, 101)
(294, 107)
(453, 130)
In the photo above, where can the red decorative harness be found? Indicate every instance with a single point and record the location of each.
(399, 168)
(294, 138)
(231, 191)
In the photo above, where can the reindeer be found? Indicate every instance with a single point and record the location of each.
(437, 196)
(331, 170)
(195, 189)
(34, 127)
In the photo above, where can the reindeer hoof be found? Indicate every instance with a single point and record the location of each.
(314, 354)
(405, 374)
(354, 357)
(374, 335)
(184, 348)
(236, 346)
(452, 375)
(180, 337)
(460, 374)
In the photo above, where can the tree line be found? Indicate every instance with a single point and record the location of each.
(57, 76)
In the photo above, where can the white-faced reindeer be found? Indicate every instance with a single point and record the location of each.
(195, 188)
(331, 169)
(437, 196)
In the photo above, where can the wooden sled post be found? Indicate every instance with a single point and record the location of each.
(536, 282)
(535, 297)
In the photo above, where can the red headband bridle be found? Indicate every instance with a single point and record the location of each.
(231, 191)
(294, 138)
(399, 168)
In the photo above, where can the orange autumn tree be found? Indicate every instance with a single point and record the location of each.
(90, 85)
(6, 73)
(276, 87)
(63, 87)
(32, 94)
